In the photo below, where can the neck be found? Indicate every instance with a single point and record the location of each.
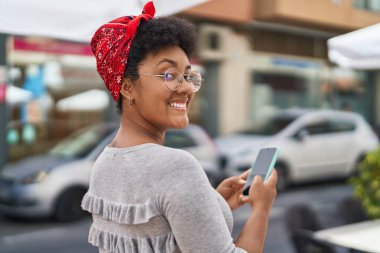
(132, 132)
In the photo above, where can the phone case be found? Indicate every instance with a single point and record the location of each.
(273, 161)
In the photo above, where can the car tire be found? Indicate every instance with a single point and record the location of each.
(283, 180)
(68, 205)
(355, 171)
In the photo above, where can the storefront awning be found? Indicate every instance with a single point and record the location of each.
(92, 100)
(72, 19)
(358, 50)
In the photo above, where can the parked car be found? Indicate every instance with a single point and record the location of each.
(313, 144)
(54, 184)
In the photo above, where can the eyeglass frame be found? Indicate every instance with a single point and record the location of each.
(183, 77)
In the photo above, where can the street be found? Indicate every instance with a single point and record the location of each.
(22, 236)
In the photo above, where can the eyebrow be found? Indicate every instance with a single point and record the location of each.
(174, 63)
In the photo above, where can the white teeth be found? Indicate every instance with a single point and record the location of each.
(178, 105)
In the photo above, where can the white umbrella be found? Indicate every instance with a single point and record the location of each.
(72, 19)
(15, 95)
(92, 100)
(358, 50)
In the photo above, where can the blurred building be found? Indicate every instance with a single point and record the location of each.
(261, 56)
(53, 72)
(258, 56)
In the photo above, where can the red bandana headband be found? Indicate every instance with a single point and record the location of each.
(110, 45)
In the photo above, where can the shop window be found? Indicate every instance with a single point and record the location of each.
(274, 90)
(280, 81)
(283, 90)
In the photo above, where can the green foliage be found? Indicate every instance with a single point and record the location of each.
(367, 184)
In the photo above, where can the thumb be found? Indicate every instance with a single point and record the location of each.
(257, 179)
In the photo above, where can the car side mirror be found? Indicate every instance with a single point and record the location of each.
(301, 135)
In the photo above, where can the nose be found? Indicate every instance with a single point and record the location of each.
(185, 86)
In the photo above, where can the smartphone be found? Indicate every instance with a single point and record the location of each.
(262, 166)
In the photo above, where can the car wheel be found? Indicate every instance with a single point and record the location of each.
(68, 205)
(283, 181)
(355, 171)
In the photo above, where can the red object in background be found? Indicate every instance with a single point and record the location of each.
(3, 88)
(51, 46)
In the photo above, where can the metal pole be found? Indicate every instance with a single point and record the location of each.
(3, 106)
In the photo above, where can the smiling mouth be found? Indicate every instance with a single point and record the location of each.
(178, 106)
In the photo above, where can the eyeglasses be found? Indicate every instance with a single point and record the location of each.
(173, 79)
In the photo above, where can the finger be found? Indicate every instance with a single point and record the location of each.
(245, 174)
(244, 199)
(231, 181)
(273, 178)
(258, 179)
(239, 186)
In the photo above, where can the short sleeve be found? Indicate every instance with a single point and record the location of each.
(189, 203)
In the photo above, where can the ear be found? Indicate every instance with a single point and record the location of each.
(127, 89)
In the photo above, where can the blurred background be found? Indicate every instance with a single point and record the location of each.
(301, 75)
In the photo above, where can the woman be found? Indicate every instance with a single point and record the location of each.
(145, 197)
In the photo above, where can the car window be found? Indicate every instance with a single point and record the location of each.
(81, 143)
(179, 139)
(272, 126)
(330, 126)
(321, 127)
(341, 125)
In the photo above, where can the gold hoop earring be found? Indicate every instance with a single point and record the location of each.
(131, 102)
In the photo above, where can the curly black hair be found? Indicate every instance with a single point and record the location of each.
(154, 35)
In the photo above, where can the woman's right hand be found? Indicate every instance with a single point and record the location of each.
(261, 197)
(262, 194)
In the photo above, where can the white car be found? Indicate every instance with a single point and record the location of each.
(53, 184)
(313, 144)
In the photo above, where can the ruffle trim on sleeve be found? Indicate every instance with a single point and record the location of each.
(122, 244)
(120, 213)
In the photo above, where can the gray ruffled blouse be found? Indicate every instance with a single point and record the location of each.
(150, 198)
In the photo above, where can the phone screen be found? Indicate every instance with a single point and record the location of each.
(262, 166)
